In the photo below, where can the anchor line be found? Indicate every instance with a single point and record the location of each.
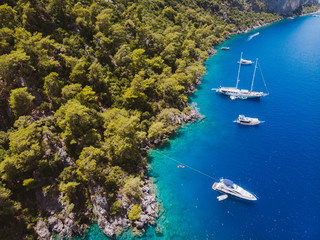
(196, 170)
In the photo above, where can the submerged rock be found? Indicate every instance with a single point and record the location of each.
(158, 231)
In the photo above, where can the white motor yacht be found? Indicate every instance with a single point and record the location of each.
(247, 120)
(229, 187)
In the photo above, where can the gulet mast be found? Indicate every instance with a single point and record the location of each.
(254, 74)
(239, 71)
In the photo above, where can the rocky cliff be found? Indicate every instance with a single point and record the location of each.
(286, 7)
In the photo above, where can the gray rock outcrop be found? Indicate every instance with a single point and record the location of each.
(286, 7)
(114, 225)
(42, 230)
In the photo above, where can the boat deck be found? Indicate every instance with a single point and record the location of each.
(214, 187)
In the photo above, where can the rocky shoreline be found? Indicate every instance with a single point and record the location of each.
(112, 226)
(65, 224)
(62, 222)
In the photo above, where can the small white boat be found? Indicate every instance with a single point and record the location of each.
(247, 120)
(225, 48)
(233, 97)
(222, 197)
(245, 62)
(227, 186)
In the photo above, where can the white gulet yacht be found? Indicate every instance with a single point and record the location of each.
(229, 187)
(234, 92)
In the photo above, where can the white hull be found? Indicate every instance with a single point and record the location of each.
(233, 190)
(239, 93)
(247, 121)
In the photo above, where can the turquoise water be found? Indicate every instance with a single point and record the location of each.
(278, 160)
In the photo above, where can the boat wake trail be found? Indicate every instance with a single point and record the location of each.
(252, 36)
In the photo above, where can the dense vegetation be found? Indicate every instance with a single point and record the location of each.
(83, 85)
(308, 9)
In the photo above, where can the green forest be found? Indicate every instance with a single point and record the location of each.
(84, 85)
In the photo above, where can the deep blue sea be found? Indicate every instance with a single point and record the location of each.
(279, 160)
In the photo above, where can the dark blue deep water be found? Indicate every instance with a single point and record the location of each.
(278, 160)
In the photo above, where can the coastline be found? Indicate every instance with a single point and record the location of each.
(113, 226)
(212, 51)
(265, 25)
(194, 115)
(243, 31)
(224, 143)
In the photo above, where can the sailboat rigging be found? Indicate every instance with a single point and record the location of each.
(234, 92)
